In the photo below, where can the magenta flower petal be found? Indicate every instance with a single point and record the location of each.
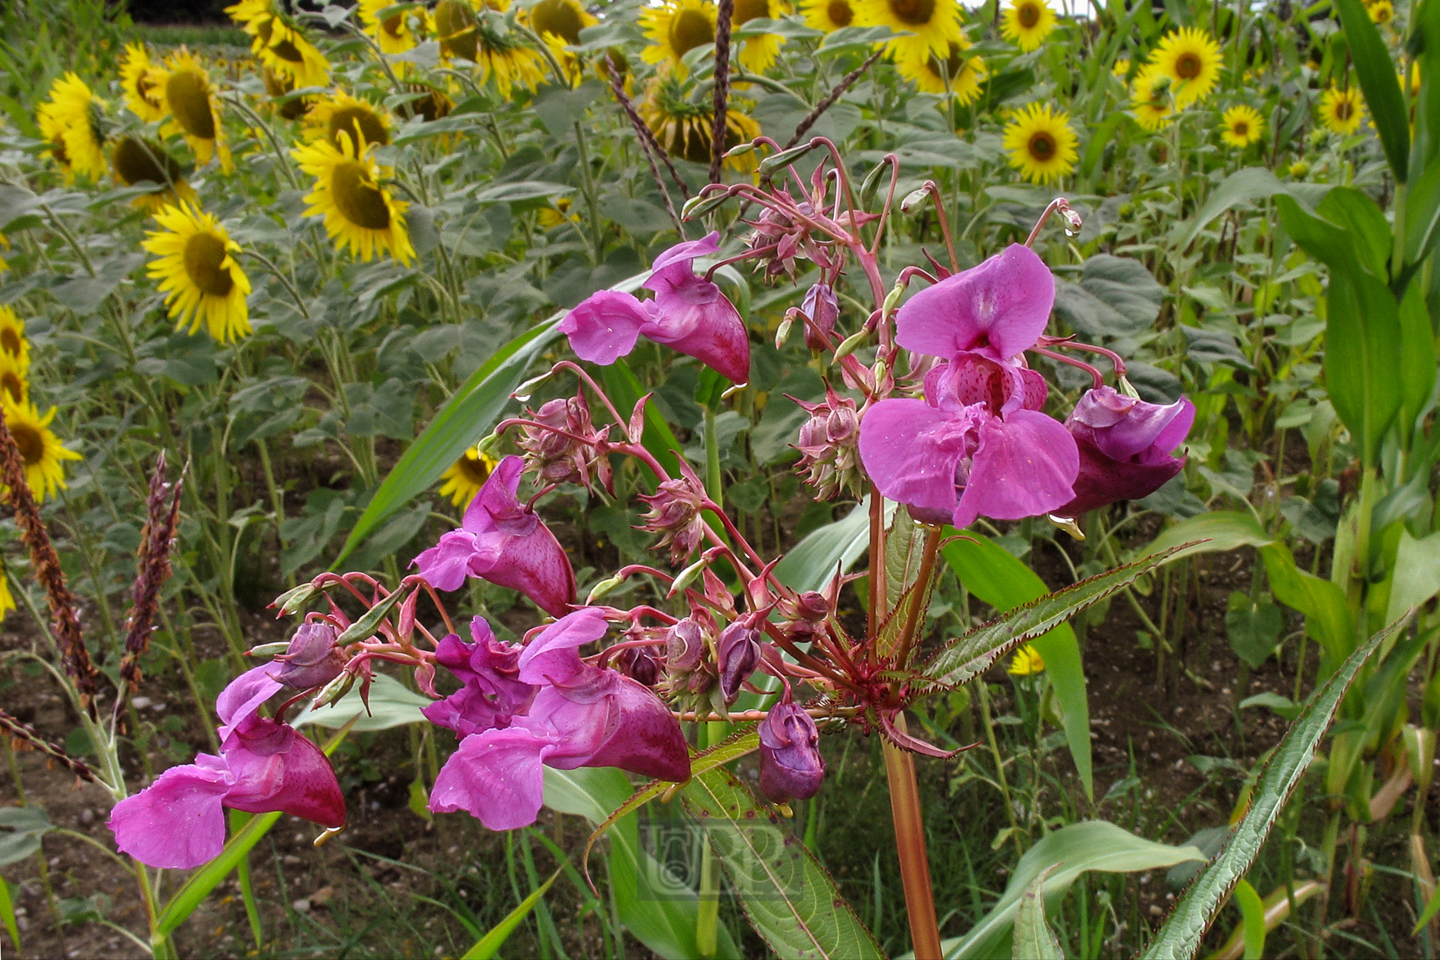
(1025, 466)
(693, 316)
(791, 766)
(1104, 480)
(645, 738)
(996, 309)
(492, 693)
(177, 822)
(676, 260)
(605, 326)
(1124, 427)
(446, 564)
(243, 696)
(912, 451)
(275, 768)
(551, 657)
(497, 776)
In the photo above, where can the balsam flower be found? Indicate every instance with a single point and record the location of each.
(312, 659)
(492, 691)
(503, 541)
(791, 767)
(1124, 445)
(688, 313)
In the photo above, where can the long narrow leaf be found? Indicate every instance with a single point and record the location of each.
(1181, 935)
(490, 944)
(1379, 83)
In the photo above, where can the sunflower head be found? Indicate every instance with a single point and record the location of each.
(561, 18)
(344, 115)
(1121, 67)
(73, 118)
(1026, 662)
(13, 342)
(137, 162)
(395, 33)
(1340, 110)
(1041, 143)
(957, 73)
(829, 15)
(675, 28)
(432, 104)
(278, 85)
(1027, 23)
(197, 271)
(14, 385)
(455, 24)
(39, 448)
(190, 100)
(686, 129)
(759, 52)
(1191, 58)
(142, 80)
(1381, 11)
(926, 24)
(1241, 126)
(359, 212)
(1150, 98)
(466, 476)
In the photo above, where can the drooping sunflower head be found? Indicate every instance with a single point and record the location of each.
(1026, 662)
(1027, 23)
(432, 104)
(14, 384)
(198, 274)
(1341, 109)
(249, 13)
(686, 129)
(931, 25)
(505, 56)
(139, 162)
(284, 48)
(1191, 58)
(13, 342)
(1041, 143)
(466, 476)
(73, 118)
(340, 113)
(958, 73)
(278, 85)
(1241, 126)
(828, 15)
(1150, 99)
(194, 109)
(395, 33)
(142, 80)
(52, 130)
(359, 212)
(455, 24)
(561, 18)
(41, 450)
(675, 28)
(758, 53)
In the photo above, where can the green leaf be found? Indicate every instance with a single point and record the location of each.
(392, 704)
(1422, 214)
(1362, 356)
(1034, 940)
(1218, 531)
(1417, 359)
(1432, 907)
(1184, 930)
(1417, 574)
(7, 914)
(489, 945)
(20, 831)
(1379, 83)
(812, 562)
(1243, 186)
(1000, 579)
(786, 894)
(1327, 611)
(1253, 627)
(1252, 912)
(1091, 845)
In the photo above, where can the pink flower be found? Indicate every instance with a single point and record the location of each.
(312, 659)
(688, 313)
(503, 541)
(1124, 446)
(791, 767)
(178, 822)
(493, 692)
(581, 716)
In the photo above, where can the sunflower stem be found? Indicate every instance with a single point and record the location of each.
(587, 183)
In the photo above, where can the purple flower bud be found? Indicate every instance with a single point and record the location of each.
(790, 763)
(640, 665)
(675, 514)
(1124, 446)
(312, 659)
(685, 646)
(829, 444)
(823, 310)
(738, 656)
(557, 457)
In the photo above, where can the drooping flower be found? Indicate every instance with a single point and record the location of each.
(359, 211)
(492, 692)
(581, 716)
(1150, 98)
(931, 25)
(455, 23)
(13, 341)
(675, 28)
(194, 109)
(1026, 23)
(41, 450)
(1124, 445)
(136, 162)
(562, 19)
(1241, 126)
(279, 87)
(1341, 110)
(312, 659)
(464, 478)
(502, 540)
(685, 128)
(198, 272)
(956, 73)
(1191, 58)
(142, 81)
(828, 15)
(688, 313)
(505, 56)
(1041, 143)
(72, 118)
(341, 114)
(791, 767)
(283, 47)
(394, 33)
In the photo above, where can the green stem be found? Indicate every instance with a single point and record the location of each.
(587, 183)
(713, 483)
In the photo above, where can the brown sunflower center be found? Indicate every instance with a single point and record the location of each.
(559, 17)
(1241, 128)
(357, 198)
(1041, 146)
(287, 51)
(145, 87)
(13, 384)
(1028, 14)
(136, 161)
(10, 342)
(476, 471)
(1342, 108)
(1188, 66)
(204, 259)
(455, 25)
(29, 441)
(951, 67)
(840, 13)
(914, 12)
(432, 106)
(188, 93)
(357, 121)
(747, 10)
(690, 29)
(393, 26)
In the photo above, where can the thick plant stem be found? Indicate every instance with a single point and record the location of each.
(910, 843)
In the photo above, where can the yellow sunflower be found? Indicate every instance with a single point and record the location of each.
(1191, 59)
(1150, 98)
(1027, 23)
(284, 49)
(675, 28)
(1340, 110)
(395, 33)
(14, 384)
(1381, 11)
(505, 57)
(685, 129)
(359, 212)
(13, 342)
(758, 53)
(142, 80)
(52, 131)
(932, 25)
(1241, 126)
(249, 13)
(960, 74)
(198, 273)
(194, 109)
(466, 476)
(432, 104)
(71, 119)
(41, 450)
(278, 85)
(7, 602)
(134, 162)
(561, 18)
(552, 217)
(1040, 143)
(1121, 68)
(341, 112)
(828, 15)
(1026, 662)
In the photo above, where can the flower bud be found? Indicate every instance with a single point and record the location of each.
(675, 514)
(553, 451)
(312, 659)
(685, 646)
(640, 664)
(829, 444)
(790, 763)
(823, 310)
(738, 656)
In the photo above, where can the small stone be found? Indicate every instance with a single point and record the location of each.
(87, 816)
(1155, 911)
(140, 703)
(303, 906)
(322, 896)
(290, 860)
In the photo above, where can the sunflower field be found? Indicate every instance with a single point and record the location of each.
(720, 478)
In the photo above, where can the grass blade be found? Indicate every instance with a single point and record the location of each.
(490, 944)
